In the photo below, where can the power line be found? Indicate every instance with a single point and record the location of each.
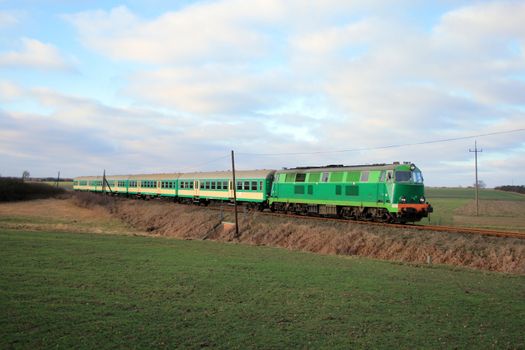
(200, 165)
(386, 147)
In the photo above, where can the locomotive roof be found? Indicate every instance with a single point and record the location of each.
(330, 168)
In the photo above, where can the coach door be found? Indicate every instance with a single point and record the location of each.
(230, 189)
(196, 188)
(381, 187)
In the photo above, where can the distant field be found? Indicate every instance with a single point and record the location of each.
(97, 291)
(456, 206)
(469, 193)
(67, 185)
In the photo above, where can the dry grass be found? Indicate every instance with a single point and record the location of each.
(508, 215)
(494, 209)
(404, 245)
(62, 215)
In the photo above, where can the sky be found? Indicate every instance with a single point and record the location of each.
(174, 86)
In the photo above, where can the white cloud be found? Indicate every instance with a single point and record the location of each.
(9, 91)
(223, 30)
(209, 89)
(7, 19)
(34, 54)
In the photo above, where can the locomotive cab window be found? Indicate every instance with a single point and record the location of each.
(325, 177)
(403, 176)
(417, 177)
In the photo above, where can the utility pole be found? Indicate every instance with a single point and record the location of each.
(476, 151)
(104, 183)
(235, 197)
(58, 178)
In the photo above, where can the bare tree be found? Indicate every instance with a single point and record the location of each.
(25, 175)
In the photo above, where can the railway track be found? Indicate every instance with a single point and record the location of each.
(435, 228)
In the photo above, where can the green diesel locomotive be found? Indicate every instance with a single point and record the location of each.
(382, 192)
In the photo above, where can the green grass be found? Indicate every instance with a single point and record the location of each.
(94, 291)
(446, 200)
(469, 193)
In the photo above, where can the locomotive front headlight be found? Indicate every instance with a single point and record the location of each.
(403, 199)
(422, 200)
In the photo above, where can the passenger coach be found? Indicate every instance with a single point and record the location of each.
(252, 186)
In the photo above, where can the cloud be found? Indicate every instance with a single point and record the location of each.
(215, 89)
(36, 55)
(8, 19)
(225, 30)
(9, 91)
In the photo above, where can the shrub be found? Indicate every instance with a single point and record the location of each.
(17, 190)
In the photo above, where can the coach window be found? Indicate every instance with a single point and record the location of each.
(246, 185)
(191, 184)
(225, 185)
(239, 185)
(254, 185)
(300, 177)
(260, 186)
(213, 185)
(364, 176)
(325, 177)
(219, 185)
(207, 185)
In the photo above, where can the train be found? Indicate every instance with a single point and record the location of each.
(392, 193)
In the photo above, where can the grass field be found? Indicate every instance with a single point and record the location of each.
(456, 206)
(469, 193)
(97, 291)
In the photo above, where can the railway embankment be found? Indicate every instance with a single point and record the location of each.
(325, 237)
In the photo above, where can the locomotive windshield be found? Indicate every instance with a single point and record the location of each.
(406, 176)
(417, 177)
(403, 176)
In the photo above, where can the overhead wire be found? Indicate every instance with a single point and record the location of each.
(385, 147)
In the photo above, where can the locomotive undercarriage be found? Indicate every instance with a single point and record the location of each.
(348, 212)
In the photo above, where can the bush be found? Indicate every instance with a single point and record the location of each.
(517, 189)
(16, 190)
(89, 200)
